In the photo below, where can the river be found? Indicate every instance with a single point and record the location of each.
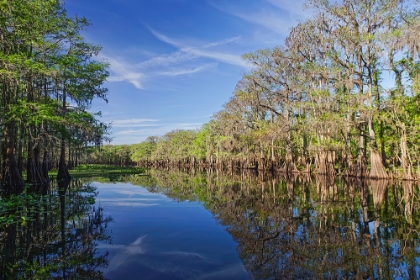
(214, 225)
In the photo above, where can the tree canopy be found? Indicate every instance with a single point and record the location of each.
(49, 76)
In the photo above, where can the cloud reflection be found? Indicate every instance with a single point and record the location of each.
(131, 204)
(134, 248)
(169, 262)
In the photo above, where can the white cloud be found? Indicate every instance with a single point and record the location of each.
(164, 38)
(183, 254)
(167, 59)
(222, 42)
(127, 199)
(175, 262)
(130, 204)
(294, 8)
(135, 248)
(124, 72)
(202, 51)
(220, 56)
(278, 17)
(268, 19)
(127, 190)
(161, 129)
(134, 123)
(177, 72)
(186, 60)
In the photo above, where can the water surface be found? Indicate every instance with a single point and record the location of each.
(156, 237)
(308, 228)
(213, 225)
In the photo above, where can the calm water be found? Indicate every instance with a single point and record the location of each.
(155, 237)
(175, 225)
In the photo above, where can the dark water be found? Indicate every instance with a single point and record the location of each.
(174, 225)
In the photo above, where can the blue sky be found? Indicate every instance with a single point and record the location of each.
(174, 63)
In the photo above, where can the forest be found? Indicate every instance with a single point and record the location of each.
(49, 76)
(340, 96)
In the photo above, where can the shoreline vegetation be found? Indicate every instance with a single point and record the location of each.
(98, 170)
(340, 97)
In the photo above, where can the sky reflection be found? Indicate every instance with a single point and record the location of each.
(155, 237)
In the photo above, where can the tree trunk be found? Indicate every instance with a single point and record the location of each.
(361, 157)
(405, 159)
(349, 164)
(63, 172)
(325, 163)
(377, 169)
(45, 167)
(34, 172)
(20, 152)
(288, 164)
(12, 181)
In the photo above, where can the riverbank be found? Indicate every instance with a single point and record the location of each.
(93, 170)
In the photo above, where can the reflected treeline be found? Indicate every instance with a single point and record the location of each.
(53, 236)
(302, 227)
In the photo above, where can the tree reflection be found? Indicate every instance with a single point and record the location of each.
(54, 236)
(292, 228)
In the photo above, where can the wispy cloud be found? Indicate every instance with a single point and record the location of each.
(274, 15)
(135, 248)
(183, 254)
(130, 204)
(203, 50)
(165, 38)
(121, 71)
(293, 8)
(219, 56)
(277, 16)
(128, 199)
(188, 59)
(127, 190)
(268, 19)
(177, 72)
(134, 123)
(174, 262)
(222, 42)
(166, 59)
(159, 130)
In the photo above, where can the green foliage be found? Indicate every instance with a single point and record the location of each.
(20, 209)
(200, 142)
(98, 170)
(46, 65)
(144, 150)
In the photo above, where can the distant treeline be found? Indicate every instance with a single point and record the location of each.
(49, 76)
(341, 96)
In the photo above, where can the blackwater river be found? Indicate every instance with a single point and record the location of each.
(213, 225)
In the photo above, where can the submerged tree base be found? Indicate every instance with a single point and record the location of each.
(323, 167)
